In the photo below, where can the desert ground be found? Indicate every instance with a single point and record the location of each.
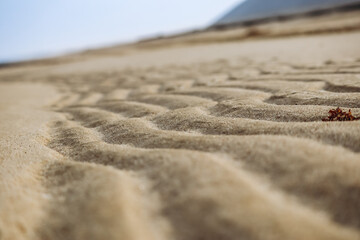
(211, 135)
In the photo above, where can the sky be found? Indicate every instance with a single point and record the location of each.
(40, 28)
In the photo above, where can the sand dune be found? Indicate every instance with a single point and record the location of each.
(219, 141)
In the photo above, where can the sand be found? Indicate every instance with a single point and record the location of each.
(210, 140)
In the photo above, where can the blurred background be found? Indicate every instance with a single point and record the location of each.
(42, 28)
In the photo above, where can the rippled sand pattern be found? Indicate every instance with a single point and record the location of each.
(223, 149)
(228, 155)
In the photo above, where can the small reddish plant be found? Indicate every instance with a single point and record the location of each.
(339, 115)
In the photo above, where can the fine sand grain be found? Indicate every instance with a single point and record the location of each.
(199, 141)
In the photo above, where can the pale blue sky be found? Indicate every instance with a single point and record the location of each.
(35, 28)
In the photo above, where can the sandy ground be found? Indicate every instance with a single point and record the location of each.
(198, 141)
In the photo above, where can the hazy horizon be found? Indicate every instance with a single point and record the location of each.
(39, 28)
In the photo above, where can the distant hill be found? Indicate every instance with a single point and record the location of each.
(253, 10)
